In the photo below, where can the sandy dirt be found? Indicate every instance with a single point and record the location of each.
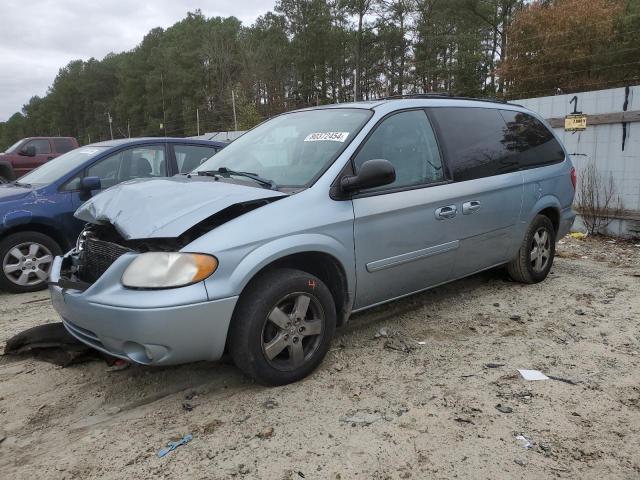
(371, 411)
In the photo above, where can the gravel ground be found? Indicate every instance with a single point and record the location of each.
(372, 410)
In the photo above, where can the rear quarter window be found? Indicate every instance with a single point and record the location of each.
(482, 142)
(530, 141)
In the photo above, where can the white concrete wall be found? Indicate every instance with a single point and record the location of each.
(601, 143)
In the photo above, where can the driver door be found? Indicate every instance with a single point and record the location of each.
(402, 242)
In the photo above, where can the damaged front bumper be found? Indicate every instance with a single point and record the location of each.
(151, 327)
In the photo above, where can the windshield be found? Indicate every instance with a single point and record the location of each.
(291, 149)
(56, 168)
(13, 147)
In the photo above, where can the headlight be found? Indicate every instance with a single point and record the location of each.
(168, 269)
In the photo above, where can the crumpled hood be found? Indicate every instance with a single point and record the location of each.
(167, 207)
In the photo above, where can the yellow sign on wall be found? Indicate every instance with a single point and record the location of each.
(575, 123)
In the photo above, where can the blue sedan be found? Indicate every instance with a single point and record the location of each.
(36, 212)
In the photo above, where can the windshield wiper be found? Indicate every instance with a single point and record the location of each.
(225, 172)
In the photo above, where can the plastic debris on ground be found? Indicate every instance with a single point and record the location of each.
(526, 443)
(52, 343)
(533, 375)
(171, 446)
(578, 235)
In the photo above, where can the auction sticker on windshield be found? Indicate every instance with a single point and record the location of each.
(327, 136)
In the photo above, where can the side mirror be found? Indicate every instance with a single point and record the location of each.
(28, 151)
(373, 173)
(89, 184)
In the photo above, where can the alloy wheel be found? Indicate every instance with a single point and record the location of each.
(27, 264)
(540, 250)
(293, 331)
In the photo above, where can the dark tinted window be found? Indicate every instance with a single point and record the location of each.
(473, 139)
(530, 141)
(63, 145)
(408, 142)
(41, 145)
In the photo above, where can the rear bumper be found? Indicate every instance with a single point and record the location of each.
(567, 217)
(151, 335)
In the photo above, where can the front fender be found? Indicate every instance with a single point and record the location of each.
(257, 259)
(16, 217)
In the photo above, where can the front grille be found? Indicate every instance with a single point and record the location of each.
(97, 256)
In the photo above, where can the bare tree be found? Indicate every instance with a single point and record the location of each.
(597, 200)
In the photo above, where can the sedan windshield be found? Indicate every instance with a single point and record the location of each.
(60, 166)
(292, 149)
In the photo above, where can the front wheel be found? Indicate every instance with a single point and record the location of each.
(536, 254)
(282, 326)
(26, 259)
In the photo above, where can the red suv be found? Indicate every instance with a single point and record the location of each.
(29, 153)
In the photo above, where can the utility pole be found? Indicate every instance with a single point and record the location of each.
(198, 120)
(233, 103)
(108, 114)
(164, 113)
(355, 86)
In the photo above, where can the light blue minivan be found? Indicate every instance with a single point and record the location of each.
(314, 214)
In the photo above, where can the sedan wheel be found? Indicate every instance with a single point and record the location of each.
(27, 264)
(26, 259)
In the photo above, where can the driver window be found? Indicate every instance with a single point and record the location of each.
(107, 170)
(138, 162)
(41, 146)
(406, 139)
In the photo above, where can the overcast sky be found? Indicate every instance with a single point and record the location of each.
(38, 37)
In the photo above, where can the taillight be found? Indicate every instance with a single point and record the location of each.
(574, 177)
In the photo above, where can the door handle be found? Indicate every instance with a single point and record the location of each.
(448, 211)
(469, 207)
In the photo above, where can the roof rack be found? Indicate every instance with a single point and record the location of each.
(450, 96)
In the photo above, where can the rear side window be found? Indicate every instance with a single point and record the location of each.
(530, 141)
(473, 141)
(190, 157)
(63, 145)
(482, 142)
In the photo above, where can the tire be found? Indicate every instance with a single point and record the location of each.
(266, 336)
(17, 252)
(528, 266)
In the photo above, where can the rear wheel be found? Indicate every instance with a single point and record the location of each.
(282, 326)
(26, 261)
(536, 254)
